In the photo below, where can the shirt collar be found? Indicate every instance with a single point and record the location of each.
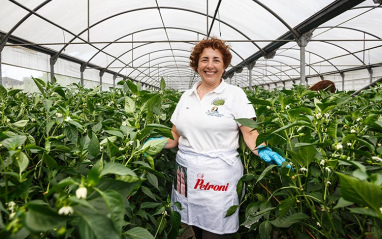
(218, 89)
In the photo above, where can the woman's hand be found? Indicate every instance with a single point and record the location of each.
(271, 157)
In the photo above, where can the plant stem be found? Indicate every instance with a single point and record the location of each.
(161, 220)
(312, 209)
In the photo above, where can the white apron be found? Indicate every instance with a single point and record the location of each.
(205, 185)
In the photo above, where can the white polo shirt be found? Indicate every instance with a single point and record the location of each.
(209, 125)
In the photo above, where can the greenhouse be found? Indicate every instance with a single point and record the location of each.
(100, 120)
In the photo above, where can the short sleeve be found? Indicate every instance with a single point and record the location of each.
(175, 114)
(242, 107)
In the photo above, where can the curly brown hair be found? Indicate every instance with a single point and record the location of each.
(215, 44)
(323, 85)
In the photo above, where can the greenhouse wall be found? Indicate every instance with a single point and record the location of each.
(20, 64)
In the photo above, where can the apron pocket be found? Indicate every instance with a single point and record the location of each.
(180, 179)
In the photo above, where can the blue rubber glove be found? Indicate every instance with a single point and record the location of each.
(269, 156)
(155, 139)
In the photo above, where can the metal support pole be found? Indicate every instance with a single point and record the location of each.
(1, 71)
(51, 69)
(149, 65)
(302, 43)
(250, 67)
(114, 78)
(371, 75)
(207, 19)
(82, 69)
(100, 78)
(132, 50)
(343, 80)
(302, 65)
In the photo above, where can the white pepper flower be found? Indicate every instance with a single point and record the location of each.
(338, 146)
(322, 162)
(120, 148)
(68, 119)
(303, 170)
(81, 193)
(300, 128)
(328, 183)
(8, 120)
(268, 107)
(376, 158)
(379, 145)
(327, 115)
(328, 169)
(348, 158)
(58, 114)
(98, 104)
(287, 107)
(352, 131)
(318, 224)
(66, 210)
(12, 215)
(349, 144)
(124, 123)
(345, 126)
(11, 206)
(318, 115)
(33, 119)
(358, 119)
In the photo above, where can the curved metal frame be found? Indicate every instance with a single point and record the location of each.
(150, 43)
(150, 8)
(293, 31)
(283, 72)
(153, 66)
(101, 50)
(5, 39)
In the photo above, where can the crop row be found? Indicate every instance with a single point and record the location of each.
(76, 163)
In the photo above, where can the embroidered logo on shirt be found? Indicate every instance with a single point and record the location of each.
(214, 111)
(218, 101)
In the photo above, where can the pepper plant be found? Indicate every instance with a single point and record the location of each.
(333, 143)
(75, 162)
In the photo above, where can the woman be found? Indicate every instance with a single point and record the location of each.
(207, 135)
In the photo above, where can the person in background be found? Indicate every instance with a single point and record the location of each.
(324, 85)
(207, 136)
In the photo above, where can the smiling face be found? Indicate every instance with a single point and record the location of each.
(211, 66)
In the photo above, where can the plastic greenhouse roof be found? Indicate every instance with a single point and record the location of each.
(150, 39)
